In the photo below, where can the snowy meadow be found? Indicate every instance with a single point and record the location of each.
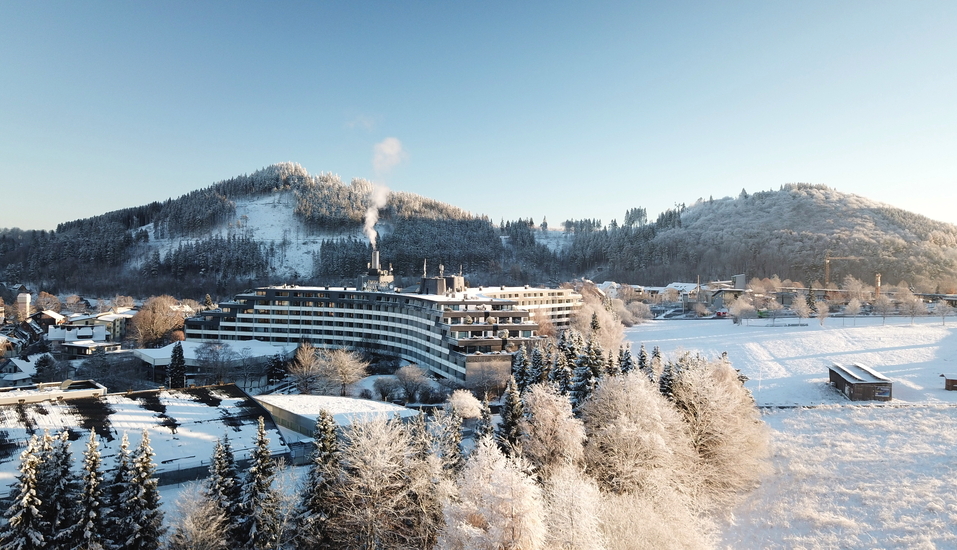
(862, 475)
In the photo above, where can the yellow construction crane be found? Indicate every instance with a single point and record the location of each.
(827, 265)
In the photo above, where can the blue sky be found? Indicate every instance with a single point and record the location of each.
(510, 109)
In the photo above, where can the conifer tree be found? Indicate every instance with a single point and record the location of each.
(118, 530)
(317, 497)
(512, 412)
(260, 502)
(561, 374)
(276, 369)
(582, 385)
(140, 506)
(223, 488)
(25, 526)
(177, 368)
(484, 427)
(520, 369)
(58, 491)
(538, 369)
(625, 361)
(446, 434)
(91, 524)
(612, 367)
(655, 364)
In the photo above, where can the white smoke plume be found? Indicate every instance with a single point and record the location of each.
(377, 199)
(388, 154)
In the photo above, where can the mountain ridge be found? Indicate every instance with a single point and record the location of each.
(281, 224)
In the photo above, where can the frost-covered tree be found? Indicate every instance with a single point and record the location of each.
(800, 308)
(512, 412)
(139, 506)
(91, 524)
(884, 306)
(911, 305)
(176, 377)
(260, 501)
(58, 491)
(636, 440)
(561, 374)
(484, 426)
(852, 308)
(822, 311)
(445, 434)
(317, 499)
(118, 530)
(538, 366)
(377, 499)
(725, 428)
(25, 524)
(625, 361)
(498, 505)
(943, 309)
(520, 369)
(223, 488)
(464, 404)
(551, 436)
(572, 511)
(197, 524)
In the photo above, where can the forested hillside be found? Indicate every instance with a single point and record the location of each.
(283, 225)
(786, 232)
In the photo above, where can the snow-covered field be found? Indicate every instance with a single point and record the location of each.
(846, 476)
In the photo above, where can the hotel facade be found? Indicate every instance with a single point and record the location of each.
(459, 333)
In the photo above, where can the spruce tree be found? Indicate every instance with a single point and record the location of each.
(484, 427)
(58, 491)
(625, 360)
(520, 369)
(276, 369)
(316, 506)
(118, 530)
(177, 368)
(655, 365)
(224, 489)
(446, 434)
(25, 526)
(595, 325)
(91, 506)
(260, 531)
(537, 370)
(561, 374)
(140, 506)
(512, 412)
(582, 385)
(612, 367)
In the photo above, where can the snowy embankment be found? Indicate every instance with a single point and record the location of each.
(845, 475)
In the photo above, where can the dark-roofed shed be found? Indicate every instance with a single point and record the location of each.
(861, 383)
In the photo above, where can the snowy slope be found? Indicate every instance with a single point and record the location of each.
(846, 476)
(269, 219)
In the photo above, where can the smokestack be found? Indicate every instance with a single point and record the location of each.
(375, 260)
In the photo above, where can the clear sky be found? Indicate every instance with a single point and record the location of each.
(510, 109)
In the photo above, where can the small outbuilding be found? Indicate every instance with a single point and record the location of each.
(950, 381)
(861, 383)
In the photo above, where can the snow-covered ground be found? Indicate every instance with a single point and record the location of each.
(846, 476)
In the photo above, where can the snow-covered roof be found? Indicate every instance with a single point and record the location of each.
(161, 356)
(345, 410)
(857, 373)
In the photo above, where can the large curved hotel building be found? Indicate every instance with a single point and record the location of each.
(456, 332)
